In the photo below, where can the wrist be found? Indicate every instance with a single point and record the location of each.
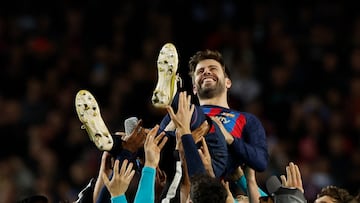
(184, 131)
(150, 164)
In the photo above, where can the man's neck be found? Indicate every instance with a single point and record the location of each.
(216, 101)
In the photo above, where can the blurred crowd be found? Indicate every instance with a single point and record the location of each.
(296, 65)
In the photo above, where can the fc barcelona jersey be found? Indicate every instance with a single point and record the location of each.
(233, 121)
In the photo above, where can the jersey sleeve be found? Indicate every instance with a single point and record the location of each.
(252, 147)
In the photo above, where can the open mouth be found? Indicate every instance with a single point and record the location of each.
(208, 79)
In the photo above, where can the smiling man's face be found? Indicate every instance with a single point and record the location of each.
(209, 79)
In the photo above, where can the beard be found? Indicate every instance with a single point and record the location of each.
(208, 92)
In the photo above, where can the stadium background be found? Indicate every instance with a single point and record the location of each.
(295, 64)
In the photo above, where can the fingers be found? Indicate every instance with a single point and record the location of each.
(298, 174)
(104, 158)
(172, 115)
(121, 134)
(127, 167)
(105, 179)
(203, 151)
(105, 161)
(163, 142)
(131, 174)
(283, 180)
(219, 123)
(161, 138)
(288, 175)
(225, 184)
(184, 100)
(152, 138)
(292, 171)
(116, 166)
(202, 156)
(187, 103)
(215, 119)
(205, 147)
(151, 134)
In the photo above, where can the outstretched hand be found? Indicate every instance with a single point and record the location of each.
(230, 197)
(121, 178)
(293, 177)
(152, 147)
(206, 158)
(182, 118)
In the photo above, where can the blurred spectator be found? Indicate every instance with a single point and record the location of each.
(295, 65)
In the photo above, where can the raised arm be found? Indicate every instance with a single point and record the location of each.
(105, 167)
(152, 147)
(182, 120)
(293, 177)
(120, 181)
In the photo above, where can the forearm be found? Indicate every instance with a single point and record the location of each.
(193, 160)
(99, 184)
(146, 188)
(103, 194)
(253, 191)
(243, 185)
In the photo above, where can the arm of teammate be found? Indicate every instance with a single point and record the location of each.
(120, 181)
(182, 120)
(152, 147)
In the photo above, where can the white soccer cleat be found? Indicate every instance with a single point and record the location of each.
(166, 86)
(89, 114)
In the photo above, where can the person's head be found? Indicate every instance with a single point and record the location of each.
(209, 75)
(207, 189)
(242, 198)
(333, 194)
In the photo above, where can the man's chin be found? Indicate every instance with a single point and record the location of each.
(206, 94)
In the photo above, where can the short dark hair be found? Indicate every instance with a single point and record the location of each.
(207, 189)
(207, 54)
(340, 194)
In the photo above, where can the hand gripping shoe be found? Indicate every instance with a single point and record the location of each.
(89, 114)
(166, 86)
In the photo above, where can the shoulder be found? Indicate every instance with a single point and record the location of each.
(250, 118)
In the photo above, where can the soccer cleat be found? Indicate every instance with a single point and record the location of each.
(89, 114)
(166, 86)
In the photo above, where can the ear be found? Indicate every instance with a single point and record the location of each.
(228, 83)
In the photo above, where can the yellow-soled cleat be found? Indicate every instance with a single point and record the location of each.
(88, 112)
(166, 87)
